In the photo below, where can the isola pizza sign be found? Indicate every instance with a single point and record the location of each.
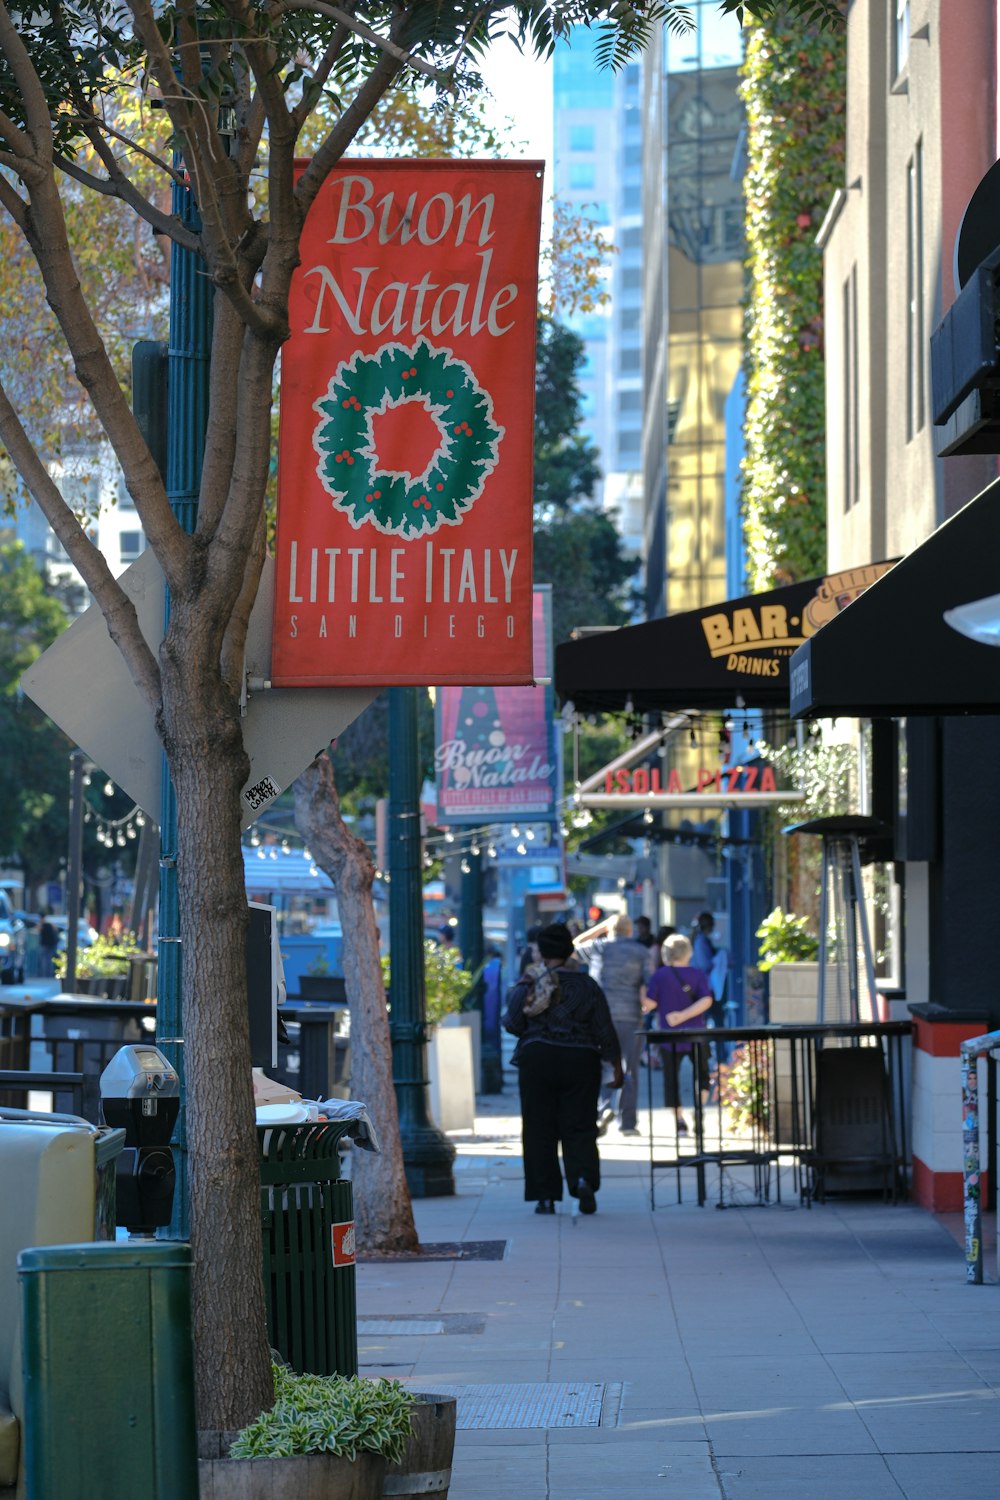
(407, 406)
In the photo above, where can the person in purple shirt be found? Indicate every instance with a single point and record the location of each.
(683, 998)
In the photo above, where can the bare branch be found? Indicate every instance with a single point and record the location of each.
(123, 189)
(13, 136)
(118, 609)
(45, 232)
(109, 130)
(385, 44)
(233, 660)
(378, 82)
(11, 200)
(221, 436)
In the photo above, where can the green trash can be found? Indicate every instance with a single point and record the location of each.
(108, 1372)
(307, 1226)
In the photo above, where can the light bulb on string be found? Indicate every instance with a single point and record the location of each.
(130, 832)
(449, 837)
(109, 788)
(647, 817)
(465, 867)
(140, 820)
(120, 841)
(515, 832)
(529, 833)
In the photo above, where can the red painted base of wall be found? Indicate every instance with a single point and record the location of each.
(940, 1192)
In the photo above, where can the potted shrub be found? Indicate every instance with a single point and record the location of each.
(326, 1436)
(452, 1061)
(103, 968)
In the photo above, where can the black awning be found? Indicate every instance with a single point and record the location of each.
(892, 654)
(705, 658)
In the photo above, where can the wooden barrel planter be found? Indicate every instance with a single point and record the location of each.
(425, 1468)
(320, 1476)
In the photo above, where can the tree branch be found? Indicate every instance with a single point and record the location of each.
(378, 82)
(124, 190)
(233, 661)
(14, 137)
(118, 609)
(385, 45)
(11, 200)
(321, 73)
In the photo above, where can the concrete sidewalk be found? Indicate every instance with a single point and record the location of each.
(758, 1353)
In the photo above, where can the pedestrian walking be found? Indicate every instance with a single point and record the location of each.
(564, 1029)
(683, 998)
(48, 942)
(621, 965)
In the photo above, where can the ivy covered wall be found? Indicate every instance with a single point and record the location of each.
(793, 87)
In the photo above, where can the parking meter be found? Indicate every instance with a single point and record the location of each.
(140, 1093)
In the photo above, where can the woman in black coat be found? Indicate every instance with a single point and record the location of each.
(564, 1033)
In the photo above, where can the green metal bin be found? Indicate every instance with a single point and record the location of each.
(108, 1372)
(307, 1226)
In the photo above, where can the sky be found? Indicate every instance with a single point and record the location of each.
(522, 89)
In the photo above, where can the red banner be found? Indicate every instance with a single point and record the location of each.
(495, 755)
(407, 413)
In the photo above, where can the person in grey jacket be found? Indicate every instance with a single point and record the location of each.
(622, 966)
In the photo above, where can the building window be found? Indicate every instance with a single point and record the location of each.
(915, 340)
(581, 174)
(901, 41)
(130, 546)
(852, 408)
(581, 137)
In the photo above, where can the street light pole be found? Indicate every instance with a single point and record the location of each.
(427, 1153)
(188, 360)
(74, 875)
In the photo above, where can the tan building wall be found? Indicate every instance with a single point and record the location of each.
(920, 135)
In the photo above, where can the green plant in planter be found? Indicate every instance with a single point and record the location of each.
(785, 939)
(106, 958)
(446, 983)
(320, 966)
(329, 1414)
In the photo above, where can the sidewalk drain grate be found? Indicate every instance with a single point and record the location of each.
(576, 1403)
(401, 1325)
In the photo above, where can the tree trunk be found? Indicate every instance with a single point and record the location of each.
(382, 1209)
(203, 740)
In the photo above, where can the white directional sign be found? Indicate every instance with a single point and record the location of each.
(84, 686)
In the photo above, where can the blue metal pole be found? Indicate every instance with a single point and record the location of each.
(188, 358)
(427, 1152)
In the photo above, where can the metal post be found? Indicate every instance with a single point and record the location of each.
(188, 359)
(824, 917)
(74, 875)
(427, 1153)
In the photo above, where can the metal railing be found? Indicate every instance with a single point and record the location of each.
(987, 1046)
(829, 1104)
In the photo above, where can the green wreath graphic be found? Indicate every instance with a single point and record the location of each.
(405, 504)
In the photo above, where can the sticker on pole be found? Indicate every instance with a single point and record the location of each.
(261, 793)
(343, 1243)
